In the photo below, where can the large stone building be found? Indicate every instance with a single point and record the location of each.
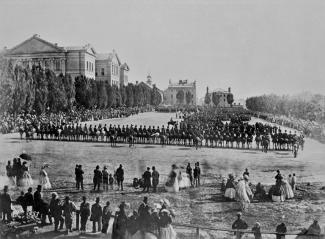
(72, 60)
(109, 68)
(148, 83)
(78, 60)
(221, 97)
(181, 93)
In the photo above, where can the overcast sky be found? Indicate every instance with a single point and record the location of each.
(254, 46)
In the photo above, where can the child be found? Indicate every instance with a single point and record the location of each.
(111, 181)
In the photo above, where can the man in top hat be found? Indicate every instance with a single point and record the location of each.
(239, 224)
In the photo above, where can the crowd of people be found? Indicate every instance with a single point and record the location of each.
(240, 189)
(26, 122)
(154, 220)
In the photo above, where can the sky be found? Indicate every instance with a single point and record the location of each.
(253, 46)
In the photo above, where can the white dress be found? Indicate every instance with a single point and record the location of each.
(183, 180)
(288, 190)
(241, 190)
(26, 180)
(44, 180)
(172, 183)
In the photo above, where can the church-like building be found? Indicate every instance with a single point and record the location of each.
(181, 93)
(72, 60)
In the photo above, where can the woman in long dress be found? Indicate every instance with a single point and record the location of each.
(26, 180)
(183, 180)
(44, 179)
(243, 192)
(287, 189)
(278, 192)
(172, 182)
(230, 192)
(166, 229)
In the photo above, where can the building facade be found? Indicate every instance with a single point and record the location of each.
(181, 93)
(110, 69)
(66, 60)
(220, 96)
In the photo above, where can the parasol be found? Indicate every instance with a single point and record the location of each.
(25, 156)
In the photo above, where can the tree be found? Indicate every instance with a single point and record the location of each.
(101, 94)
(81, 91)
(230, 98)
(216, 98)
(129, 95)
(123, 94)
(110, 95)
(70, 90)
(188, 97)
(180, 96)
(155, 96)
(57, 100)
(207, 99)
(41, 89)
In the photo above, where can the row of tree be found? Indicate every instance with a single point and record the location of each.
(305, 106)
(38, 89)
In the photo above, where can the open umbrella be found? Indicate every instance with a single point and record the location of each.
(25, 156)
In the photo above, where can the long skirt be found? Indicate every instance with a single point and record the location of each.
(184, 181)
(230, 193)
(174, 188)
(167, 233)
(45, 182)
(278, 198)
(26, 180)
(288, 190)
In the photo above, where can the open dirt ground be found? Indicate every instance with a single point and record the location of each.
(196, 206)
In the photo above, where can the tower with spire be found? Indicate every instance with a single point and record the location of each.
(149, 80)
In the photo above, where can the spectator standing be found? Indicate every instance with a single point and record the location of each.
(281, 229)
(97, 178)
(107, 213)
(111, 181)
(105, 178)
(84, 214)
(294, 182)
(155, 179)
(5, 204)
(80, 178)
(257, 231)
(120, 177)
(29, 199)
(239, 224)
(189, 173)
(56, 211)
(68, 209)
(96, 215)
(146, 180)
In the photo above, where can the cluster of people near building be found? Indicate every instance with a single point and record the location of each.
(240, 189)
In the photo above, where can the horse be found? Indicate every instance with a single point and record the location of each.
(113, 139)
(258, 141)
(172, 123)
(131, 140)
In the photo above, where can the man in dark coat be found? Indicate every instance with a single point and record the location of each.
(239, 224)
(96, 215)
(38, 195)
(107, 213)
(155, 179)
(84, 214)
(120, 177)
(5, 204)
(79, 177)
(146, 177)
(120, 223)
(28, 198)
(56, 211)
(281, 229)
(97, 178)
